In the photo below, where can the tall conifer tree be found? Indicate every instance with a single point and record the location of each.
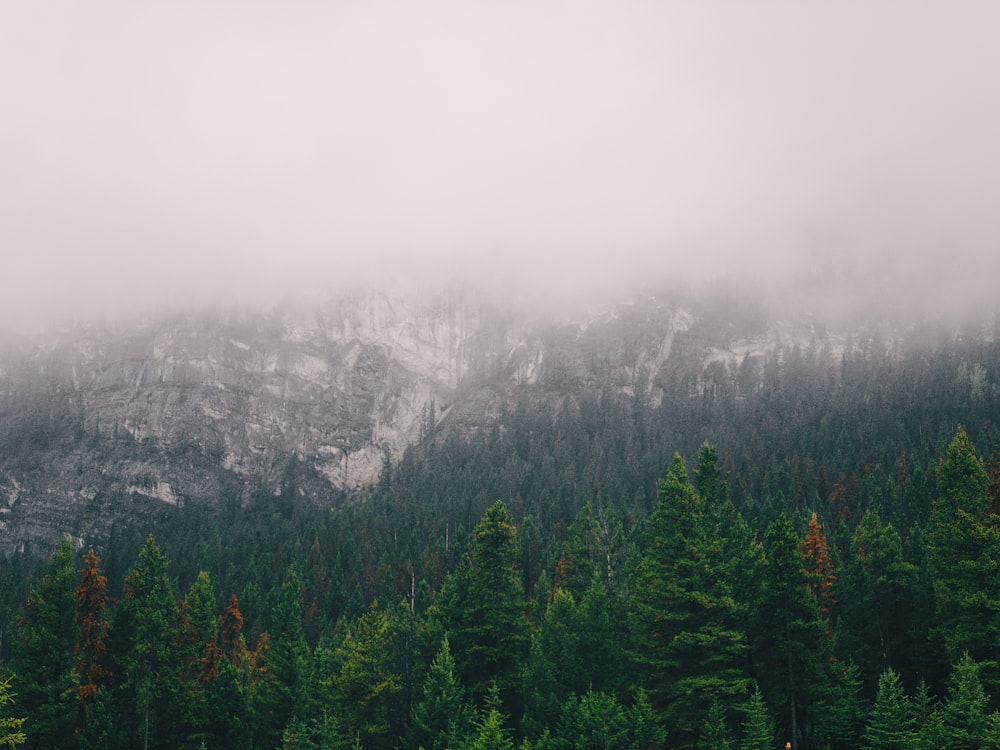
(43, 656)
(964, 553)
(489, 633)
(684, 619)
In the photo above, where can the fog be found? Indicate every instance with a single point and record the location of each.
(166, 153)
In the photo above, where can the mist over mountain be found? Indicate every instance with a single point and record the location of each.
(318, 396)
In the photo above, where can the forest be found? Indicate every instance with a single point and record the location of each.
(798, 553)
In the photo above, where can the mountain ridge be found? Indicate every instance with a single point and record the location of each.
(102, 425)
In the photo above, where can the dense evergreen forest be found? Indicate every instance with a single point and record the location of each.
(802, 548)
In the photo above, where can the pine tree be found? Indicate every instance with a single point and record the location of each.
(791, 648)
(592, 721)
(441, 716)
(487, 622)
(11, 734)
(715, 734)
(684, 618)
(964, 552)
(148, 622)
(491, 734)
(282, 665)
(91, 649)
(231, 642)
(928, 727)
(46, 681)
(200, 653)
(890, 725)
(875, 610)
(965, 715)
(818, 567)
(366, 690)
(758, 729)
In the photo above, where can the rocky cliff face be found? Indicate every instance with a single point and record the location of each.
(100, 425)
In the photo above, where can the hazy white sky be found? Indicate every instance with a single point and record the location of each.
(161, 150)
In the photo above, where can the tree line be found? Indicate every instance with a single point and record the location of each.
(697, 628)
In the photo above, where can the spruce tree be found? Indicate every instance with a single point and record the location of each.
(11, 718)
(684, 619)
(442, 716)
(282, 665)
(964, 553)
(46, 681)
(147, 622)
(366, 690)
(715, 734)
(487, 621)
(791, 647)
(890, 725)
(758, 728)
(90, 617)
(964, 714)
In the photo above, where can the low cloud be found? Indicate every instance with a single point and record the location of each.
(167, 153)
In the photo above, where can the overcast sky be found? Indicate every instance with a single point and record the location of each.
(159, 150)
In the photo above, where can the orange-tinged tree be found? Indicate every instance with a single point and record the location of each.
(91, 649)
(818, 567)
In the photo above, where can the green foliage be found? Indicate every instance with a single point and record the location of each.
(758, 728)
(890, 725)
(708, 608)
(442, 716)
(964, 714)
(485, 610)
(10, 726)
(715, 733)
(964, 554)
(46, 681)
(148, 659)
(685, 621)
(279, 689)
(366, 690)
(791, 647)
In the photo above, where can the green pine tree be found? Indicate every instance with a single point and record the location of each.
(491, 733)
(964, 554)
(758, 728)
(890, 725)
(11, 722)
(685, 621)
(791, 647)
(964, 714)
(46, 681)
(487, 622)
(441, 716)
(367, 691)
(715, 733)
(282, 665)
(147, 624)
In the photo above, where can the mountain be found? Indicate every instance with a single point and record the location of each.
(316, 397)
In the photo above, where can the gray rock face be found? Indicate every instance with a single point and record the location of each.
(187, 408)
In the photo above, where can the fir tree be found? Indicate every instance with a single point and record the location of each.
(148, 623)
(964, 552)
(683, 616)
(890, 725)
(487, 622)
(281, 664)
(46, 681)
(10, 723)
(715, 734)
(367, 691)
(758, 728)
(441, 716)
(964, 713)
(91, 649)
(818, 567)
